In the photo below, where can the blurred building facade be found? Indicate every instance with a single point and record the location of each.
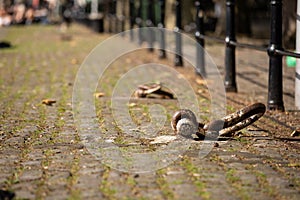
(252, 16)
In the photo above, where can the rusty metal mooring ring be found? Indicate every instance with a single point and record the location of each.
(225, 127)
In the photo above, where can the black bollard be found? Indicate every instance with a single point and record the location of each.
(178, 39)
(230, 79)
(161, 25)
(101, 18)
(139, 22)
(123, 17)
(110, 16)
(131, 18)
(200, 62)
(275, 100)
(116, 26)
(150, 23)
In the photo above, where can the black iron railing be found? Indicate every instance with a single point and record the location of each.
(141, 13)
(275, 51)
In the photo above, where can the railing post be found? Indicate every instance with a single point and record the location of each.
(150, 23)
(230, 79)
(200, 62)
(131, 18)
(139, 22)
(115, 16)
(297, 74)
(275, 100)
(111, 16)
(178, 39)
(123, 16)
(161, 25)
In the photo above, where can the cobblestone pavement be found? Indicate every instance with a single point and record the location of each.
(43, 157)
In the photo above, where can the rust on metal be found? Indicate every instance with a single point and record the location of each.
(225, 127)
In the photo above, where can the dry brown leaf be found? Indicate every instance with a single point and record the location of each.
(295, 133)
(180, 76)
(73, 43)
(131, 105)
(201, 91)
(201, 81)
(128, 61)
(48, 102)
(99, 94)
(74, 61)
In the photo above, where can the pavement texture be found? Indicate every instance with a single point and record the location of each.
(42, 155)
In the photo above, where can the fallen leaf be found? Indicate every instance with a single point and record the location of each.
(99, 94)
(201, 91)
(74, 61)
(73, 43)
(204, 81)
(216, 144)
(180, 76)
(48, 102)
(201, 81)
(294, 164)
(128, 61)
(196, 174)
(295, 133)
(132, 105)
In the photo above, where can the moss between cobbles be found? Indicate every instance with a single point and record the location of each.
(42, 190)
(234, 180)
(193, 172)
(14, 178)
(263, 182)
(26, 147)
(163, 184)
(75, 195)
(280, 169)
(105, 186)
(31, 77)
(130, 180)
(72, 179)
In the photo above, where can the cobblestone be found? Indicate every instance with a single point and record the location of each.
(43, 157)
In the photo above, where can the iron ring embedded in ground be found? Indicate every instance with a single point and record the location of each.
(184, 122)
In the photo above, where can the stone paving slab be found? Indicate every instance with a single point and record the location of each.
(42, 155)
